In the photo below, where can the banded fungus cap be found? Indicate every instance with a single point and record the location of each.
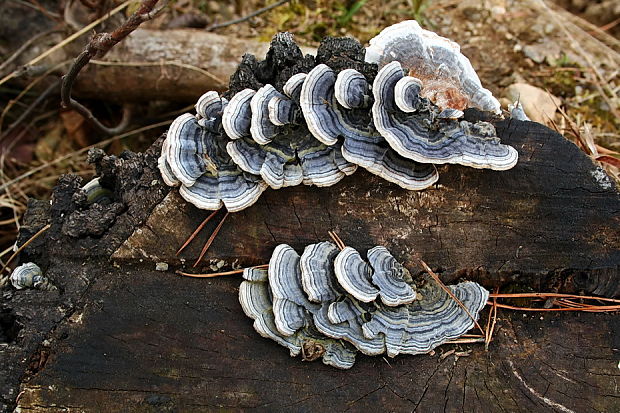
(230, 187)
(184, 149)
(374, 154)
(289, 301)
(275, 299)
(355, 275)
(281, 111)
(407, 93)
(450, 113)
(391, 278)
(210, 105)
(261, 128)
(292, 87)
(255, 299)
(237, 116)
(448, 141)
(362, 146)
(316, 94)
(448, 76)
(164, 167)
(317, 272)
(29, 275)
(429, 322)
(351, 89)
(290, 160)
(95, 192)
(26, 275)
(344, 320)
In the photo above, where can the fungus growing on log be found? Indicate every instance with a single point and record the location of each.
(281, 111)
(448, 78)
(95, 192)
(351, 89)
(195, 149)
(420, 137)
(237, 116)
(407, 93)
(274, 300)
(29, 275)
(291, 159)
(185, 149)
(355, 275)
(321, 124)
(326, 296)
(391, 278)
(292, 119)
(261, 128)
(327, 121)
(167, 174)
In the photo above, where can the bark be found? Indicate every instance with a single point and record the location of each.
(119, 335)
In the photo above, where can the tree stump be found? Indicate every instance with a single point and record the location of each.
(120, 336)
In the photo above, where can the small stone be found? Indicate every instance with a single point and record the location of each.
(161, 266)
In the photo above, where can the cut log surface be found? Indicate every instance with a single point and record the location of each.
(119, 336)
(150, 341)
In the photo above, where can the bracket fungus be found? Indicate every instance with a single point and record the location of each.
(351, 89)
(449, 79)
(426, 137)
(237, 116)
(95, 192)
(328, 120)
(29, 275)
(303, 301)
(281, 111)
(261, 127)
(196, 157)
(282, 319)
(292, 119)
(292, 87)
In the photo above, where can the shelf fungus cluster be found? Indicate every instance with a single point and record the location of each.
(330, 304)
(395, 109)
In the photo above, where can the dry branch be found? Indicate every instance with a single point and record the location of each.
(98, 46)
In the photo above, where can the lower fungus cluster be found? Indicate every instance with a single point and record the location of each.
(331, 304)
(292, 119)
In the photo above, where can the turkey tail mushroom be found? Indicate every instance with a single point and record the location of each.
(307, 299)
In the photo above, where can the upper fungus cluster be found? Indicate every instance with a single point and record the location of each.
(394, 109)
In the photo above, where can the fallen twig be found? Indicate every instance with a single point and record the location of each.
(219, 274)
(564, 301)
(248, 17)
(98, 46)
(488, 336)
(66, 41)
(339, 242)
(210, 240)
(447, 290)
(24, 245)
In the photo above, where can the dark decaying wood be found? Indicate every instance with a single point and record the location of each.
(119, 336)
(551, 220)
